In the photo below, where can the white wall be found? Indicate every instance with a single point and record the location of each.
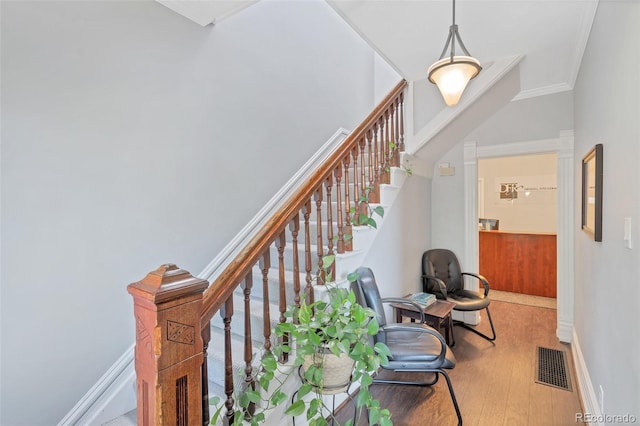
(535, 207)
(530, 119)
(385, 78)
(132, 137)
(447, 205)
(607, 274)
(396, 252)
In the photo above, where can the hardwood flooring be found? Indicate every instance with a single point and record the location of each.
(494, 383)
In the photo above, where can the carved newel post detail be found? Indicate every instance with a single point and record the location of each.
(169, 349)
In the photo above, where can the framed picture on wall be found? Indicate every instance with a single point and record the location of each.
(592, 193)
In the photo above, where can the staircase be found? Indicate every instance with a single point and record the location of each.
(275, 266)
(362, 239)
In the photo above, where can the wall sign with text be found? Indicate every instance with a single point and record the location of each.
(509, 187)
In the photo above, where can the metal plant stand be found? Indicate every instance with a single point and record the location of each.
(330, 390)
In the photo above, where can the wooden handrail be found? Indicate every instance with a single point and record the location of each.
(173, 314)
(224, 285)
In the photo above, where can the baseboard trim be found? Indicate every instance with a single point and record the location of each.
(565, 331)
(587, 392)
(94, 407)
(102, 399)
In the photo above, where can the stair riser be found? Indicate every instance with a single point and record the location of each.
(313, 232)
(215, 358)
(313, 217)
(255, 318)
(288, 256)
(273, 285)
(362, 238)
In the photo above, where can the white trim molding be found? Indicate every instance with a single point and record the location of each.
(563, 147)
(256, 223)
(580, 45)
(587, 392)
(542, 91)
(471, 244)
(114, 394)
(582, 39)
(565, 237)
(471, 240)
(111, 396)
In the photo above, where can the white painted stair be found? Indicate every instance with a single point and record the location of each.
(363, 238)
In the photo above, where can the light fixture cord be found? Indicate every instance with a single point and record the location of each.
(453, 36)
(453, 33)
(454, 12)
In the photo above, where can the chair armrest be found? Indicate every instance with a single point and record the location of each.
(406, 302)
(442, 288)
(418, 328)
(482, 279)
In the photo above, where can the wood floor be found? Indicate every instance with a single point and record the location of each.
(494, 383)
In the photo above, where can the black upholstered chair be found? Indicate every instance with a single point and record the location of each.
(414, 347)
(441, 275)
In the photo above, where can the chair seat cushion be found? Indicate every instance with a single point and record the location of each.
(466, 300)
(417, 351)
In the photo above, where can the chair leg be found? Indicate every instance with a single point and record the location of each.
(435, 380)
(468, 327)
(453, 396)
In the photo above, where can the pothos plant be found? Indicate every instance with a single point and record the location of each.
(406, 164)
(334, 324)
(365, 216)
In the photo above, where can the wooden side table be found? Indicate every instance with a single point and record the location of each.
(437, 316)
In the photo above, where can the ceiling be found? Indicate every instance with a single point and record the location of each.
(410, 34)
(551, 34)
(205, 12)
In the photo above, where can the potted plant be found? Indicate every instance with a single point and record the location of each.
(332, 330)
(323, 334)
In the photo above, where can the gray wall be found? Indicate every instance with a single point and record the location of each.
(607, 274)
(133, 137)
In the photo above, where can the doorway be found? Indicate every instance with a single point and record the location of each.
(563, 148)
(517, 209)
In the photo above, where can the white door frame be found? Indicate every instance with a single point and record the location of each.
(563, 147)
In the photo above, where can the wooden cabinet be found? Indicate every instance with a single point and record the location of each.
(519, 262)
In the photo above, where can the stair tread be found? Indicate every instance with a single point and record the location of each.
(127, 419)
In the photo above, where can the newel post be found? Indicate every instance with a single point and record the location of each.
(169, 349)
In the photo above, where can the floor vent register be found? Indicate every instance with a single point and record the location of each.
(552, 368)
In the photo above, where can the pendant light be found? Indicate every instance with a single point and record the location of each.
(452, 73)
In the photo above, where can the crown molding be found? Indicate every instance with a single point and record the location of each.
(542, 91)
(582, 39)
(580, 45)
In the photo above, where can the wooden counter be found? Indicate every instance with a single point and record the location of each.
(519, 262)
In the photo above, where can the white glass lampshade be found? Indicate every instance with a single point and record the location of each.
(452, 77)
